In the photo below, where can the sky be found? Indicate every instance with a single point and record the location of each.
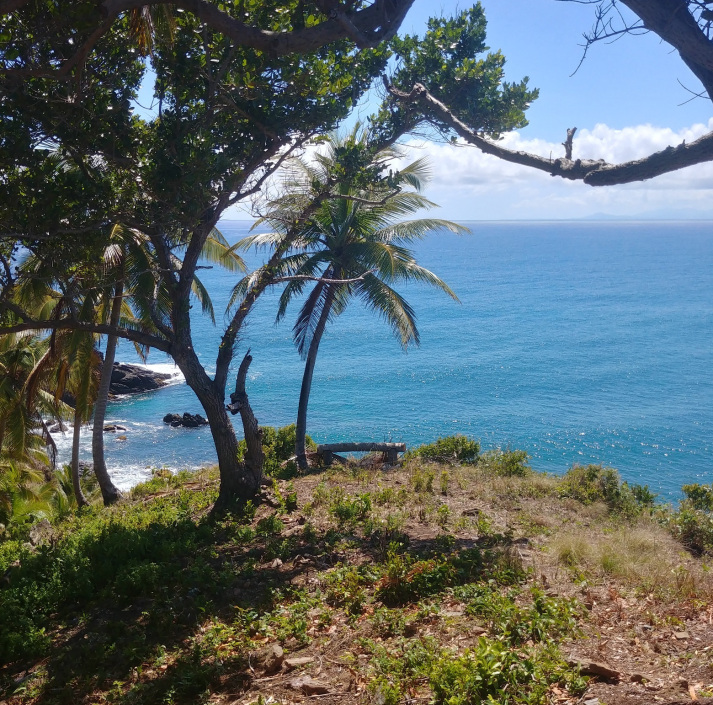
(627, 99)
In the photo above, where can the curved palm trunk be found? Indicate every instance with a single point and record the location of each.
(301, 430)
(76, 485)
(109, 491)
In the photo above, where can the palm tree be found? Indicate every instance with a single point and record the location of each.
(354, 246)
(125, 289)
(136, 293)
(23, 406)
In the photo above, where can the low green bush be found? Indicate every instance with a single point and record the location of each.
(492, 672)
(407, 580)
(124, 552)
(348, 509)
(451, 449)
(506, 463)
(699, 496)
(692, 527)
(595, 483)
(278, 445)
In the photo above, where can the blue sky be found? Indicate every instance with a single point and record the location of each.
(628, 98)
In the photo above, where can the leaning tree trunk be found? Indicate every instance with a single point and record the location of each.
(109, 491)
(76, 485)
(239, 481)
(254, 455)
(301, 427)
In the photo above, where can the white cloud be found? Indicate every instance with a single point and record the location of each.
(471, 185)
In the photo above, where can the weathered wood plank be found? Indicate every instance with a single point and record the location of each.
(361, 447)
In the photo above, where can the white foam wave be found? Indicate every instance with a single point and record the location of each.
(127, 476)
(169, 368)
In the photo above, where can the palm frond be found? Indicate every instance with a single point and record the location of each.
(412, 230)
(391, 307)
(308, 317)
(201, 293)
(259, 240)
(216, 249)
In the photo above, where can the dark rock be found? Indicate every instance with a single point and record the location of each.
(187, 420)
(58, 427)
(268, 659)
(309, 686)
(133, 379)
(113, 428)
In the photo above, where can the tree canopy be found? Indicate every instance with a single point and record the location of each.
(239, 86)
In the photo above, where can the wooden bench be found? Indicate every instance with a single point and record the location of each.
(390, 450)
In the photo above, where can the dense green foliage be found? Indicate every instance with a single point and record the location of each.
(595, 483)
(508, 462)
(453, 62)
(451, 449)
(278, 445)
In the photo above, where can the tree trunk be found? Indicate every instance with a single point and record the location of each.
(238, 482)
(254, 456)
(301, 430)
(76, 485)
(109, 491)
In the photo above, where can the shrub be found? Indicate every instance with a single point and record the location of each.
(406, 580)
(692, 527)
(507, 463)
(591, 483)
(699, 496)
(595, 483)
(351, 509)
(451, 449)
(278, 445)
(491, 672)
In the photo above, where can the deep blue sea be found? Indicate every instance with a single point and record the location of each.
(578, 342)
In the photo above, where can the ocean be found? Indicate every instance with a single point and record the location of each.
(579, 342)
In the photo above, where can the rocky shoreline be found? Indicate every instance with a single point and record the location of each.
(134, 379)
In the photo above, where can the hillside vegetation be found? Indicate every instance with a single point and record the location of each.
(455, 577)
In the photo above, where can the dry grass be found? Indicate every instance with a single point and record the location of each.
(643, 556)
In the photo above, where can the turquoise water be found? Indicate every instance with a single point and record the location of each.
(578, 342)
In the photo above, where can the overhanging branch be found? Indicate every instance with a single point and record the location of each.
(591, 172)
(367, 28)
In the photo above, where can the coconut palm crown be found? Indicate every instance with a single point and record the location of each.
(353, 245)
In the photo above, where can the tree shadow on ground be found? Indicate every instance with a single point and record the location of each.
(134, 630)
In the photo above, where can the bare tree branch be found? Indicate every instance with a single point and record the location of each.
(594, 173)
(684, 24)
(567, 144)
